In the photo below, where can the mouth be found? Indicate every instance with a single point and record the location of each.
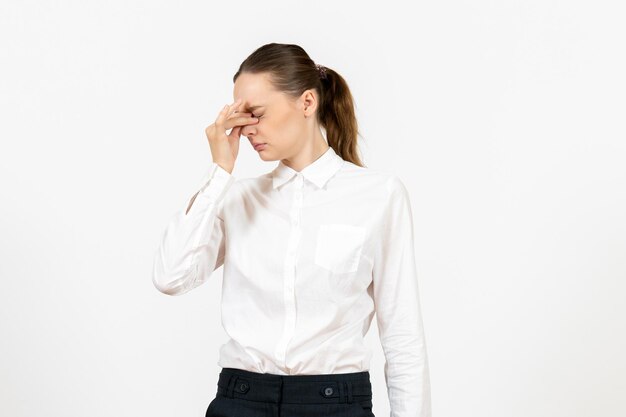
(259, 146)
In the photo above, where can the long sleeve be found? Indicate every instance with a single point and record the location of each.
(192, 245)
(398, 310)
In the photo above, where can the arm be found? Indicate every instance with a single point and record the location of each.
(398, 311)
(192, 245)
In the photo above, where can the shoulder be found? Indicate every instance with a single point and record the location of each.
(385, 181)
(365, 174)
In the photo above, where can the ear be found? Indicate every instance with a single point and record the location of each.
(309, 101)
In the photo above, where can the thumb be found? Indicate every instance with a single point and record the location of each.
(235, 134)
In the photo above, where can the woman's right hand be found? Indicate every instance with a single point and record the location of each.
(224, 148)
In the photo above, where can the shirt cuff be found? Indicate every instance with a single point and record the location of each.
(215, 180)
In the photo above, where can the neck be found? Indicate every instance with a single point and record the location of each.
(308, 153)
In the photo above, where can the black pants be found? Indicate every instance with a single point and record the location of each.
(241, 393)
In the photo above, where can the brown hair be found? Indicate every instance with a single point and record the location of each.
(292, 71)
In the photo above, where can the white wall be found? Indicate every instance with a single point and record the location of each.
(504, 118)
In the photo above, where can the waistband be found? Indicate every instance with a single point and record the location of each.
(295, 389)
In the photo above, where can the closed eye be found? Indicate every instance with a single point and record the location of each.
(256, 116)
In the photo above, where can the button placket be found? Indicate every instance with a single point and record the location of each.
(289, 271)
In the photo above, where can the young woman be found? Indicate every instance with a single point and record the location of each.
(311, 251)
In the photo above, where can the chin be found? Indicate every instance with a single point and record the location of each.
(266, 157)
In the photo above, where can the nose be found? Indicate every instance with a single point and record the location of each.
(248, 130)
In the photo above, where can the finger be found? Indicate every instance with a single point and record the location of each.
(237, 113)
(226, 112)
(233, 107)
(240, 121)
(221, 116)
(236, 132)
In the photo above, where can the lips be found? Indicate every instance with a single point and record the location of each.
(258, 145)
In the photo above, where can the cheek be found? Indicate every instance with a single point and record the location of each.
(291, 125)
(282, 129)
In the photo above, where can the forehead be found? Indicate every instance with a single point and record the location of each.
(253, 90)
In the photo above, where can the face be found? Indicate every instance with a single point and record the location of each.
(283, 123)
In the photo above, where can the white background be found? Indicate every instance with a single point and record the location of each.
(505, 119)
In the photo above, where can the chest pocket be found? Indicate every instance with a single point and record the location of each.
(339, 247)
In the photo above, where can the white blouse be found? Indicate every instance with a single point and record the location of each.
(308, 258)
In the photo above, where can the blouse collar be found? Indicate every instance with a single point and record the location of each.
(318, 171)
